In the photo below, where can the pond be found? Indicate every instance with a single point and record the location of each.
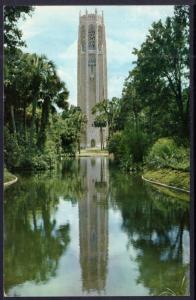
(90, 229)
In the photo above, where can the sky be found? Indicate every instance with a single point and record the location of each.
(53, 31)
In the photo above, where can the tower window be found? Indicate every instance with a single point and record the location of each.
(91, 37)
(91, 60)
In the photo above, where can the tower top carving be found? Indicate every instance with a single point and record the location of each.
(89, 17)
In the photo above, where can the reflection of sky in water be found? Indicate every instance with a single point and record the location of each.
(119, 262)
(186, 248)
(107, 251)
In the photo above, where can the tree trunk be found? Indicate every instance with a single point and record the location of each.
(79, 146)
(44, 121)
(180, 103)
(24, 122)
(33, 121)
(13, 119)
(101, 137)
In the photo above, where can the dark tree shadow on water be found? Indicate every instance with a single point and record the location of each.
(155, 225)
(33, 243)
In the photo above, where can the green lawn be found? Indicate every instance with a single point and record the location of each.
(175, 178)
(8, 176)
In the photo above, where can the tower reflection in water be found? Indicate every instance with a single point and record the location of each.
(93, 225)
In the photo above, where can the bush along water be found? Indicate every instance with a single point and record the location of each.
(129, 147)
(21, 156)
(165, 153)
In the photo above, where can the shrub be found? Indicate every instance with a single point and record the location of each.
(137, 144)
(129, 147)
(11, 149)
(165, 153)
(116, 145)
(18, 154)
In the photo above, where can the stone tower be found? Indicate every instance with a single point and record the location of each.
(92, 73)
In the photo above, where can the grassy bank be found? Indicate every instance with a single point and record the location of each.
(179, 179)
(8, 176)
(92, 152)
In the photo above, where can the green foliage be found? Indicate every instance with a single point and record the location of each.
(108, 112)
(136, 142)
(36, 133)
(155, 98)
(116, 145)
(12, 34)
(19, 155)
(36, 161)
(100, 122)
(129, 147)
(74, 126)
(165, 153)
(11, 149)
(165, 85)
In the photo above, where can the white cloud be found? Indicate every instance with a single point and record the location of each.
(70, 53)
(44, 17)
(115, 85)
(68, 70)
(118, 52)
(71, 82)
(153, 12)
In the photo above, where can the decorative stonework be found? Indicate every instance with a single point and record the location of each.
(83, 33)
(92, 60)
(91, 37)
(100, 38)
(91, 73)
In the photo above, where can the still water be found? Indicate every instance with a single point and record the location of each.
(89, 229)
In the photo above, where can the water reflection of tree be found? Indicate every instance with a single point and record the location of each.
(155, 225)
(33, 242)
(72, 177)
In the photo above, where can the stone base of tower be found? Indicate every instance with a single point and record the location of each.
(92, 138)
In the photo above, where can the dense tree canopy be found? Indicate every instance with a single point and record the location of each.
(35, 102)
(12, 34)
(158, 84)
(155, 96)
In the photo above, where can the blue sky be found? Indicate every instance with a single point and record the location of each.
(53, 31)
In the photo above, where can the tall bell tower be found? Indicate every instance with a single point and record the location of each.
(91, 73)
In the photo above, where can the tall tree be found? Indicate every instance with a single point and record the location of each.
(74, 126)
(12, 42)
(162, 66)
(100, 122)
(108, 111)
(53, 91)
